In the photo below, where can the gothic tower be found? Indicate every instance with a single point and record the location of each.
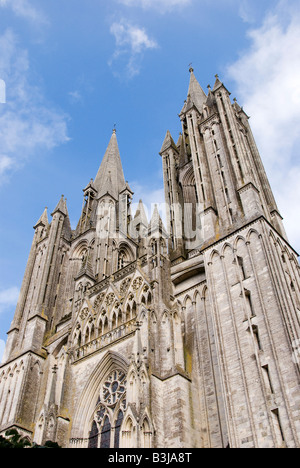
(129, 333)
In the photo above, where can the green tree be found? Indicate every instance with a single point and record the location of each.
(13, 439)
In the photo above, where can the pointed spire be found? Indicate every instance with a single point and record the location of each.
(168, 143)
(61, 206)
(86, 268)
(127, 188)
(140, 214)
(90, 186)
(156, 219)
(43, 219)
(196, 95)
(156, 223)
(110, 170)
(218, 83)
(67, 229)
(210, 98)
(179, 142)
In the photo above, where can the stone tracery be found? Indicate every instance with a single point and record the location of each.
(109, 413)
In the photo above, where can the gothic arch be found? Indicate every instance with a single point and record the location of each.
(153, 317)
(186, 299)
(225, 247)
(252, 232)
(153, 246)
(238, 240)
(189, 177)
(92, 243)
(204, 292)
(165, 317)
(143, 315)
(125, 255)
(129, 433)
(215, 254)
(88, 399)
(147, 430)
(80, 249)
(39, 429)
(63, 342)
(196, 295)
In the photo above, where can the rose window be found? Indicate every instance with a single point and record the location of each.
(114, 388)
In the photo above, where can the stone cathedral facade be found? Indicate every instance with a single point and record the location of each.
(132, 334)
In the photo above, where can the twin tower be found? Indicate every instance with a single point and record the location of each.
(132, 334)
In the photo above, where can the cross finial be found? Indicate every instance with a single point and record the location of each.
(191, 67)
(115, 128)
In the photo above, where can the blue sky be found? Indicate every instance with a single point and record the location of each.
(73, 68)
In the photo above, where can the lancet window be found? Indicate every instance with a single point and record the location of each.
(109, 413)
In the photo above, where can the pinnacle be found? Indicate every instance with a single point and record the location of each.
(218, 83)
(110, 170)
(168, 142)
(196, 93)
(156, 223)
(43, 219)
(141, 214)
(61, 206)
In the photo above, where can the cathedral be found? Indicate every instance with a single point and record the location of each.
(133, 332)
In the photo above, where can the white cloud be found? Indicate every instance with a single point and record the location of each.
(267, 78)
(75, 97)
(150, 197)
(131, 42)
(246, 11)
(27, 122)
(8, 298)
(8, 301)
(160, 5)
(25, 9)
(2, 348)
(131, 36)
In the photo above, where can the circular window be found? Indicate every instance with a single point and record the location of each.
(114, 388)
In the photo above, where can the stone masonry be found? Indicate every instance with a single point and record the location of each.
(129, 333)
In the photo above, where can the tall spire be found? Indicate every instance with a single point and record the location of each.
(110, 169)
(196, 95)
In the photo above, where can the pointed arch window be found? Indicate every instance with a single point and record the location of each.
(114, 321)
(146, 434)
(154, 247)
(93, 438)
(127, 434)
(118, 429)
(128, 313)
(105, 326)
(105, 434)
(121, 259)
(109, 412)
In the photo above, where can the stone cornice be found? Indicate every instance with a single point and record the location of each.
(241, 228)
(29, 352)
